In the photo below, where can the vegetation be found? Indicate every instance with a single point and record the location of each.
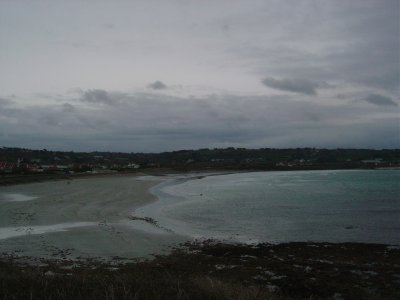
(216, 271)
(228, 158)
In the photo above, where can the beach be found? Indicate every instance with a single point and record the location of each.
(80, 218)
(136, 216)
(114, 237)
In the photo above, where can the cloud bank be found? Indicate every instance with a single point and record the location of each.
(157, 85)
(380, 100)
(257, 73)
(154, 122)
(296, 85)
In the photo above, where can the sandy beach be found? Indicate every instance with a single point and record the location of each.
(75, 239)
(80, 218)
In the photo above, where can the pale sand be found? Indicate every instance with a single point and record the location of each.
(80, 218)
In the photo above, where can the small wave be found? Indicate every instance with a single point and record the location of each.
(16, 197)
(10, 232)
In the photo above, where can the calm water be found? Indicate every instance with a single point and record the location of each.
(335, 206)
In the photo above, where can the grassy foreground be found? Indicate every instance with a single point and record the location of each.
(214, 270)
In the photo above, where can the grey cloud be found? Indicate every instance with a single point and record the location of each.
(154, 122)
(67, 107)
(380, 100)
(109, 26)
(7, 109)
(296, 85)
(312, 116)
(99, 96)
(355, 43)
(6, 102)
(157, 85)
(387, 81)
(300, 45)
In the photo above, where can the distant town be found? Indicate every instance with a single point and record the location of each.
(27, 161)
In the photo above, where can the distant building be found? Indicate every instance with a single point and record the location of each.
(6, 167)
(375, 161)
(55, 167)
(133, 166)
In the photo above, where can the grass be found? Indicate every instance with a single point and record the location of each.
(216, 271)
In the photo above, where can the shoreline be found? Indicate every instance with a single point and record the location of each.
(345, 232)
(117, 223)
(87, 217)
(16, 179)
(209, 269)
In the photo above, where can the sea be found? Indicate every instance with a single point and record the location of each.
(274, 207)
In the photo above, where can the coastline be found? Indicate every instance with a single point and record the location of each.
(172, 211)
(12, 179)
(15, 179)
(103, 214)
(82, 218)
(194, 270)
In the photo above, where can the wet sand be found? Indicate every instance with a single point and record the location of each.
(80, 218)
(49, 226)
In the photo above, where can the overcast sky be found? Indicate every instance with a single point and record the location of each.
(166, 75)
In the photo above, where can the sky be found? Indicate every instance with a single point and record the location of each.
(151, 76)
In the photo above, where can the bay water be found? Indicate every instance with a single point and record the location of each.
(320, 206)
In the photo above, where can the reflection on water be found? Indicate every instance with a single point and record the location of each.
(336, 206)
